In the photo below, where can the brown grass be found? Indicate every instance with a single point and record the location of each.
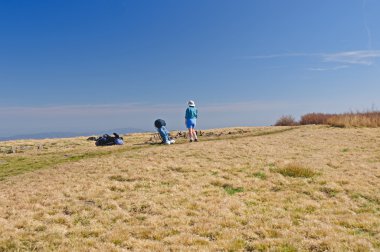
(369, 119)
(365, 119)
(315, 118)
(220, 194)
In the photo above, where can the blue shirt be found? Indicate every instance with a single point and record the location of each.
(191, 113)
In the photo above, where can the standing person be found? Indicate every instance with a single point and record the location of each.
(160, 125)
(191, 120)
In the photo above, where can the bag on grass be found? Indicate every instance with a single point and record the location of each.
(107, 140)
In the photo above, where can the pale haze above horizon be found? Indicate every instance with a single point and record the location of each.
(84, 66)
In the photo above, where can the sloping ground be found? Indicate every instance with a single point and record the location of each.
(310, 188)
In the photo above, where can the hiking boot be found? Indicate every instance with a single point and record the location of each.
(196, 140)
(167, 142)
(191, 140)
(172, 141)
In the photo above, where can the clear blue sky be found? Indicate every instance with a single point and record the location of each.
(64, 64)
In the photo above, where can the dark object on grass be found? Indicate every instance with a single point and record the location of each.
(164, 133)
(107, 140)
(159, 123)
(92, 138)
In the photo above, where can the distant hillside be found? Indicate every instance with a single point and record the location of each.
(44, 135)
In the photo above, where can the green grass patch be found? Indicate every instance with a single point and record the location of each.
(272, 165)
(119, 178)
(116, 189)
(230, 190)
(82, 220)
(287, 248)
(295, 171)
(260, 175)
(236, 245)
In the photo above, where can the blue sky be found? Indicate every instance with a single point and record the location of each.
(66, 64)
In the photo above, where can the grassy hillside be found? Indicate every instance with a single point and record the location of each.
(307, 188)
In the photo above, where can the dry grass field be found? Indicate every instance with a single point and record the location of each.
(306, 188)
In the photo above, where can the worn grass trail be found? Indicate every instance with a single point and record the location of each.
(308, 189)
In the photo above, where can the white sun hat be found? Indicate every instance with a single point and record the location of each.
(191, 103)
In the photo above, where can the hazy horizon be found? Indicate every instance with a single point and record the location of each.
(141, 116)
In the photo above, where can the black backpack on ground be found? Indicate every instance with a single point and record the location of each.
(106, 140)
(159, 123)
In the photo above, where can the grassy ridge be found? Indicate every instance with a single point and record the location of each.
(19, 163)
(247, 189)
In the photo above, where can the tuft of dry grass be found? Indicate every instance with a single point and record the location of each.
(296, 171)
